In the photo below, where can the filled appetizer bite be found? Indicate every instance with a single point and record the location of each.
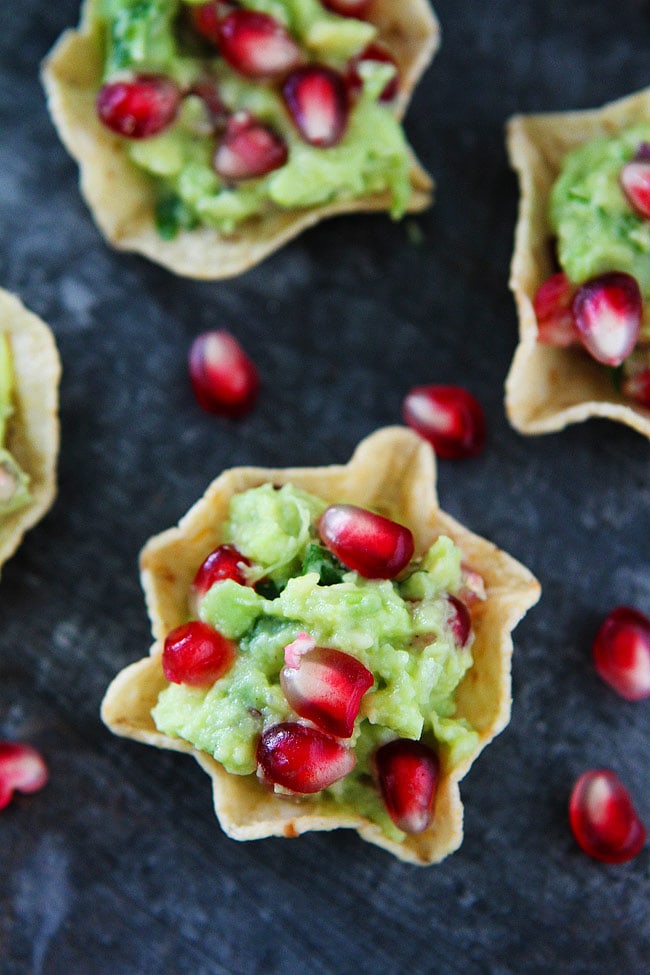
(209, 134)
(332, 648)
(581, 267)
(29, 429)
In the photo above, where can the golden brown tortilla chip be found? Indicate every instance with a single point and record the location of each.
(33, 429)
(547, 388)
(392, 471)
(121, 198)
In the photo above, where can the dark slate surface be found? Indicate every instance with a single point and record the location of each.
(119, 867)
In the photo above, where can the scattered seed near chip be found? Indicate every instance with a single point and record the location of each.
(603, 819)
(22, 769)
(622, 652)
(449, 417)
(223, 378)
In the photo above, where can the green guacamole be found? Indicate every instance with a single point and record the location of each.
(152, 36)
(399, 630)
(14, 482)
(597, 230)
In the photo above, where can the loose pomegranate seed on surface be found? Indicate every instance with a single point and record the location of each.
(460, 620)
(373, 546)
(248, 149)
(553, 309)
(223, 378)
(22, 769)
(374, 52)
(302, 759)
(635, 181)
(139, 108)
(348, 8)
(326, 686)
(449, 417)
(257, 45)
(622, 652)
(317, 100)
(408, 774)
(603, 819)
(608, 311)
(196, 654)
(225, 562)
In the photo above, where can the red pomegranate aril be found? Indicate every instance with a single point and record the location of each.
(460, 620)
(325, 687)
(257, 45)
(603, 819)
(317, 100)
(225, 562)
(140, 108)
(348, 8)
(473, 590)
(449, 417)
(608, 311)
(248, 149)
(206, 18)
(196, 654)
(635, 182)
(408, 773)
(622, 652)
(374, 52)
(374, 546)
(302, 759)
(22, 769)
(223, 378)
(553, 309)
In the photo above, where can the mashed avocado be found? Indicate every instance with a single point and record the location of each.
(597, 230)
(152, 37)
(399, 630)
(14, 482)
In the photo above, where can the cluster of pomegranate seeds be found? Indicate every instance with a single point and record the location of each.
(553, 309)
(139, 108)
(373, 52)
(225, 562)
(223, 378)
(325, 686)
(248, 149)
(374, 546)
(622, 652)
(348, 8)
(317, 100)
(449, 417)
(301, 758)
(257, 45)
(608, 311)
(603, 819)
(22, 769)
(408, 773)
(196, 654)
(635, 181)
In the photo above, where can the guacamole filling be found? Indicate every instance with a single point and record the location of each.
(399, 629)
(144, 38)
(14, 482)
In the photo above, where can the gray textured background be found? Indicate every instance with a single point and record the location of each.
(119, 867)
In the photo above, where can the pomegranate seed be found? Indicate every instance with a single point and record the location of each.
(22, 769)
(622, 652)
(408, 778)
(373, 52)
(206, 17)
(223, 378)
(196, 654)
(295, 650)
(552, 304)
(248, 149)
(473, 590)
(326, 686)
(348, 8)
(449, 417)
(460, 621)
(257, 45)
(603, 819)
(140, 108)
(372, 545)
(607, 312)
(635, 382)
(302, 759)
(635, 181)
(317, 100)
(225, 562)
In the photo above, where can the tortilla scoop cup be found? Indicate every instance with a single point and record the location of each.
(121, 198)
(33, 428)
(548, 388)
(392, 471)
